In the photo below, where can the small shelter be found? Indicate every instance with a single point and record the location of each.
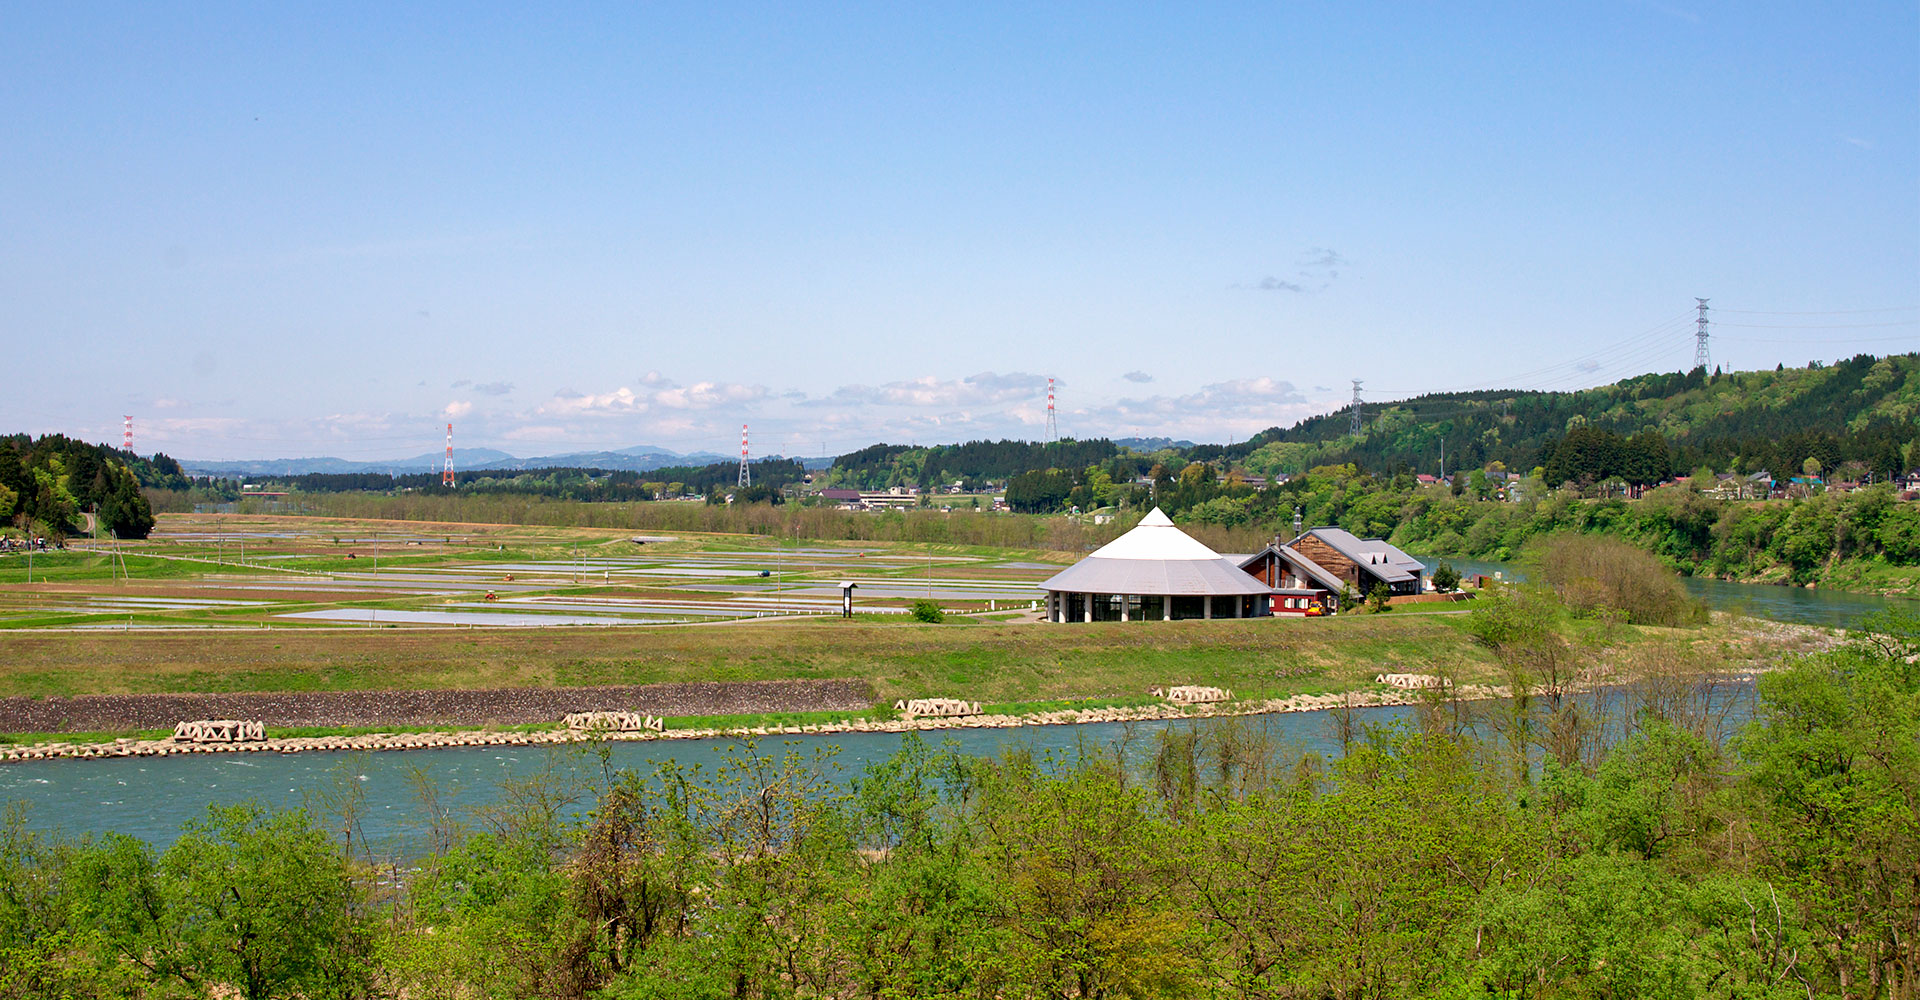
(1155, 572)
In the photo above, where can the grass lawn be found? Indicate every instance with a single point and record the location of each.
(985, 661)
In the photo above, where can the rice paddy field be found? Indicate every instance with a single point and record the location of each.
(264, 603)
(272, 572)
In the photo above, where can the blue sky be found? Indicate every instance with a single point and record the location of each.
(283, 230)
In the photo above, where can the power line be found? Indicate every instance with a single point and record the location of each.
(1822, 326)
(1820, 340)
(1827, 312)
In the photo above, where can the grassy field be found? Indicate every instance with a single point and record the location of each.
(987, 662)
(698, 608)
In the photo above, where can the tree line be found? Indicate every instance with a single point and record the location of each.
(48, 483)
(1860, 410)
(558, 483)
(1565, 843)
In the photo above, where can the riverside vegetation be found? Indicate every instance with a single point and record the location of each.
(1556, 845)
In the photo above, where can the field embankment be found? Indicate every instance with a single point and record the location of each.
(434, 708)
(80, 681)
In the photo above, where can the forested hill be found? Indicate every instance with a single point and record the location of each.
(1858, 411)
(47, 483)
(1862, 410)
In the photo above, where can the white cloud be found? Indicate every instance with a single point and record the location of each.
(658, 393)
(927, 390)
(457, 408)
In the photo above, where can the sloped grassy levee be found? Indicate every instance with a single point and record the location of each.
(984, 662)
(1430, 860)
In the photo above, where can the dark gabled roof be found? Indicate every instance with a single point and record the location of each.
(1373, 554)
(1300, 563)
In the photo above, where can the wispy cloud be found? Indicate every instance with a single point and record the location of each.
(494, 388)
(1137, 376)
(1316, 269)
(927, 390)
(1859, 143)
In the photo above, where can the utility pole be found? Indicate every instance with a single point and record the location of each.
(1701, 359)
(1354, 426)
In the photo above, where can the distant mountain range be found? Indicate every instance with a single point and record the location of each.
(640, 458)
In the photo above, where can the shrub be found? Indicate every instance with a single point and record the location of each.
(1446, 579)
(1595, 575)
(1378, 600)
(927, 611)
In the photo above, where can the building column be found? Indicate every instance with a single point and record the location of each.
(1166, 608)
(1239, 606)
(1206, 606)
(1088, 605)
(1123, 608)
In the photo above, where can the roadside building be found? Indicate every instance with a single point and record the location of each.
(1330, 561)
(1155, 572)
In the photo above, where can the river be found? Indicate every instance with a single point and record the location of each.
(1796, 605)
(150, 797)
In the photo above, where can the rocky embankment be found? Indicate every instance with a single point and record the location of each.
(558, 736)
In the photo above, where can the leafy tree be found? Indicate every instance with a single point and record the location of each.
(927, 611)
(1446, 579)
(1379, 599)
(1833, 771)
(260, 902)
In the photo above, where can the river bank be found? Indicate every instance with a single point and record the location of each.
(380, 742)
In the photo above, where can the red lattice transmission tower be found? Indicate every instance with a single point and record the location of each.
(746, 478)
(1053, 425)
(126, 432)
(446, 471)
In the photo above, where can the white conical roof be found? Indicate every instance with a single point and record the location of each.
(1156, 558)
(1155, 537)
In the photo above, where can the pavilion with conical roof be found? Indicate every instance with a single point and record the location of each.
(1156, 572)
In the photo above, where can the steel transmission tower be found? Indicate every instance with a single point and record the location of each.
(446, 471)
(1354, 426)
(126, 432)
(746, 477)
(1700, 357)
(1053, 425)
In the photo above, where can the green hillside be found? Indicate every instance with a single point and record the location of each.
(47, 483)
(1861, 410)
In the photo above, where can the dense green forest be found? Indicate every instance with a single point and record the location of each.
(1860, 412)
(48, 483)
(1850, 411)
(1559, 845)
